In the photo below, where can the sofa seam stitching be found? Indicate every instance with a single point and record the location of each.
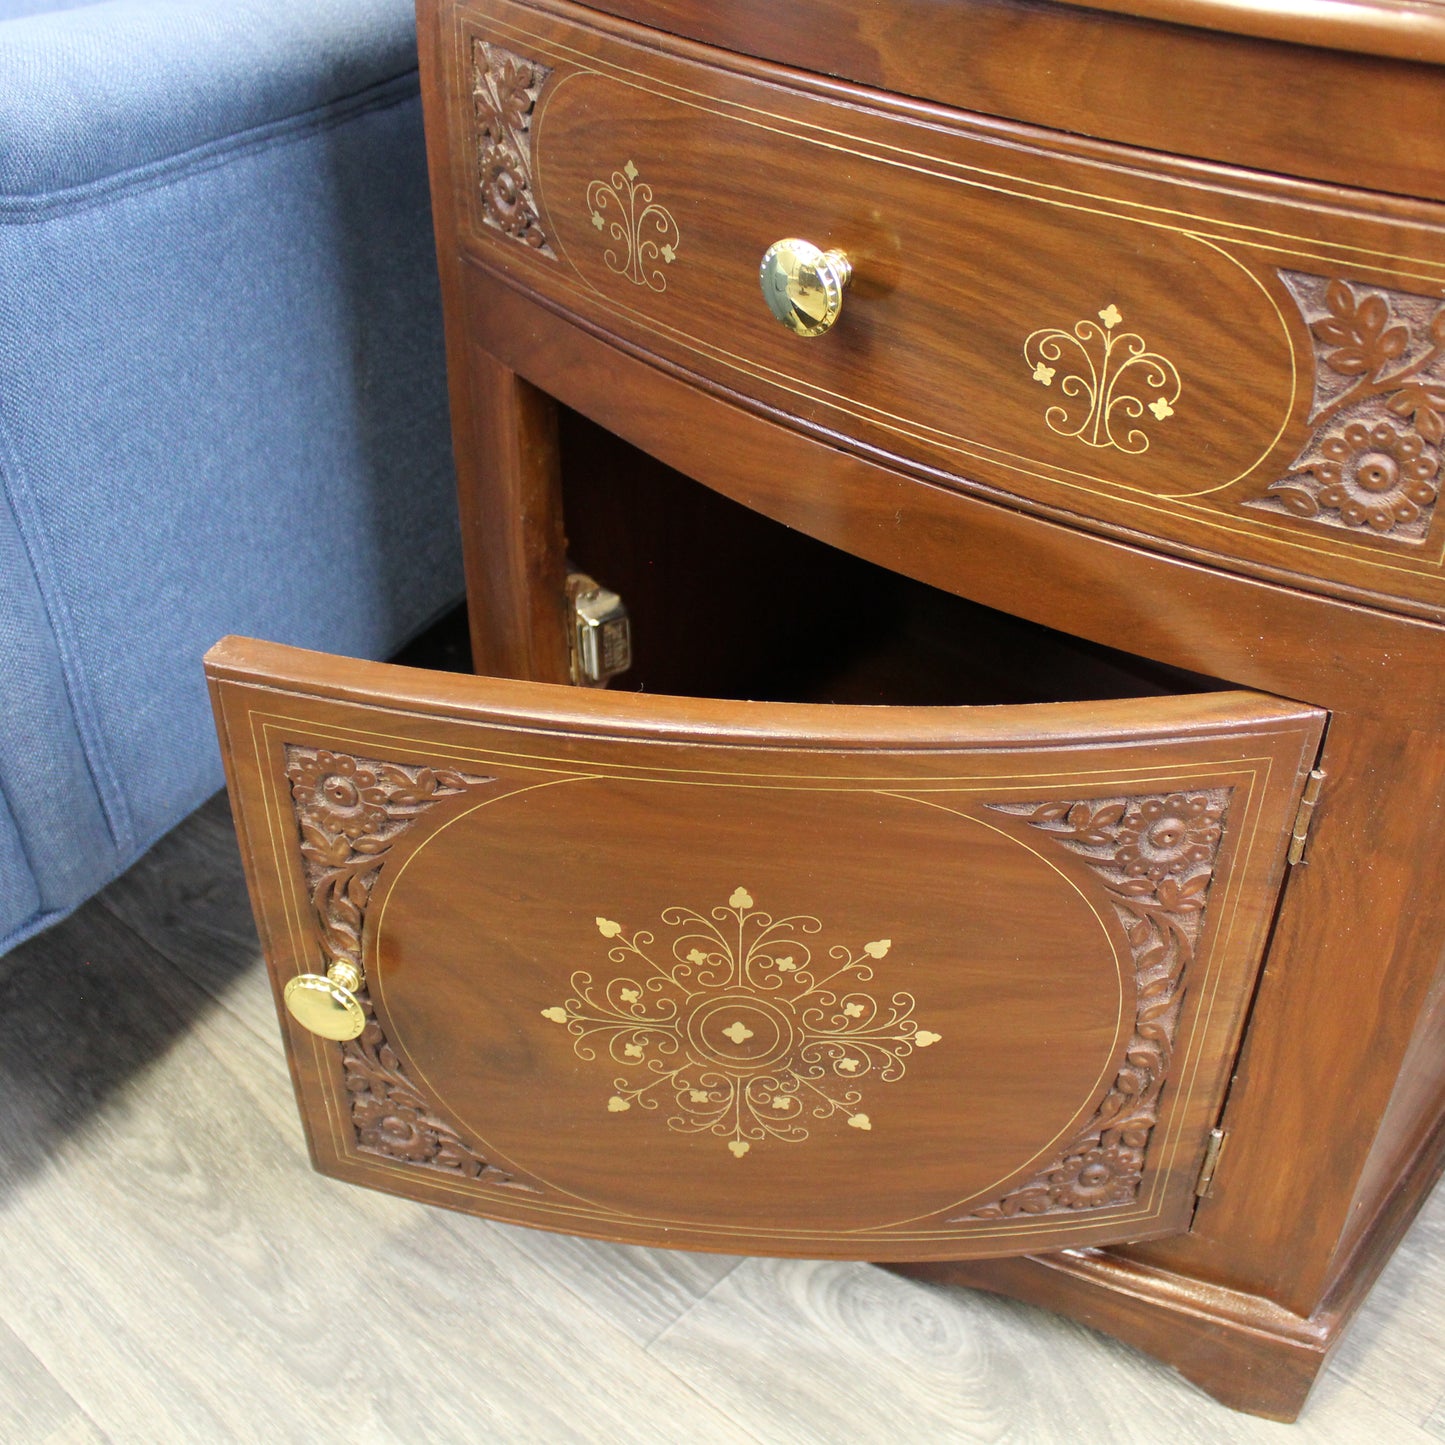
(30, 209)
(25, 854)
(97, 756)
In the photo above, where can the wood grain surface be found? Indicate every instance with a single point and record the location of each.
(1117, 336)
(1359, 119)
(1332, 1125)
(1377, 670)
(1078, 894)
(141, 1303)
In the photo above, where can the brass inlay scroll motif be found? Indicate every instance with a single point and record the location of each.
(1373, 460)
(1105, 375)
(505, 88)
(740, 1026)
(349, 813)
(1156, 857)
(643, 233)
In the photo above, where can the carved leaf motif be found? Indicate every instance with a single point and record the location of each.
(1357, 332)
(505, 89)
(1155, 856)
(1294, 499)
(349, 812)
(1374, 457)
(1424, 406)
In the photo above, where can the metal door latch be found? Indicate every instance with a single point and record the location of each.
(601, 640)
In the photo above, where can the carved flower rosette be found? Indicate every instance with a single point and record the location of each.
(505, 90)
(1372, 462)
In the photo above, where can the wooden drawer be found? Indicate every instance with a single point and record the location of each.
(881, 983)
(1230, 366)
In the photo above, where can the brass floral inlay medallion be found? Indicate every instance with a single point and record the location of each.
(1109, 378)
(739, 1025)
(643, 234)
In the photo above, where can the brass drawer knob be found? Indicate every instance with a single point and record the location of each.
(327, 1005)
(804, 286)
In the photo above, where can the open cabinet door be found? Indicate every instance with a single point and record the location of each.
(858, 983)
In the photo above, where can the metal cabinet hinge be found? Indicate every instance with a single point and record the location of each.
(1212, 1151)
(600, 640)
(1301, 830)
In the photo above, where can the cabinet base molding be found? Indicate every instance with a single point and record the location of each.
(1247, 1352)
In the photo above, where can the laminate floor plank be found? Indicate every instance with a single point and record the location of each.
(79, 1431)
(34, 1409)
(172, 1262)
(188, 901)
(200, 1282)
(642, 1291)
(172, 1270)
(840, 1354)
(1406, 1304)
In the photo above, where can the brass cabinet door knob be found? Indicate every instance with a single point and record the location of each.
(327, 1004)
(803, 285)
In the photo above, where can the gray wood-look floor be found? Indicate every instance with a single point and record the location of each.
(172, 1270)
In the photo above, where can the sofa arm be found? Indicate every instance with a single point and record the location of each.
(106, 90)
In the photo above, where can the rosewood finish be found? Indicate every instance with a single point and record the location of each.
(1097, 334)
(995, 1004)
(1136, 402)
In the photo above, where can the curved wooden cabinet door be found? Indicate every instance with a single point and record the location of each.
(837, 982)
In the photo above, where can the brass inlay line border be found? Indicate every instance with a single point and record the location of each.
(830, 137)
(653, 1221)
(961, 782)
(1243, 527)
(1231, 524)
(580, 284)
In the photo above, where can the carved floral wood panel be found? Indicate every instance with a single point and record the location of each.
(1156, 857)
(1154, 854)
(505, 87)
(1378, 411)
(349, 813)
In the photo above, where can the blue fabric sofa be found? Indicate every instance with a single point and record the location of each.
(222, 403)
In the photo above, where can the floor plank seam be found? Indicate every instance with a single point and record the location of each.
(718, 1406)
(1434, 1420)
(694, 1304)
